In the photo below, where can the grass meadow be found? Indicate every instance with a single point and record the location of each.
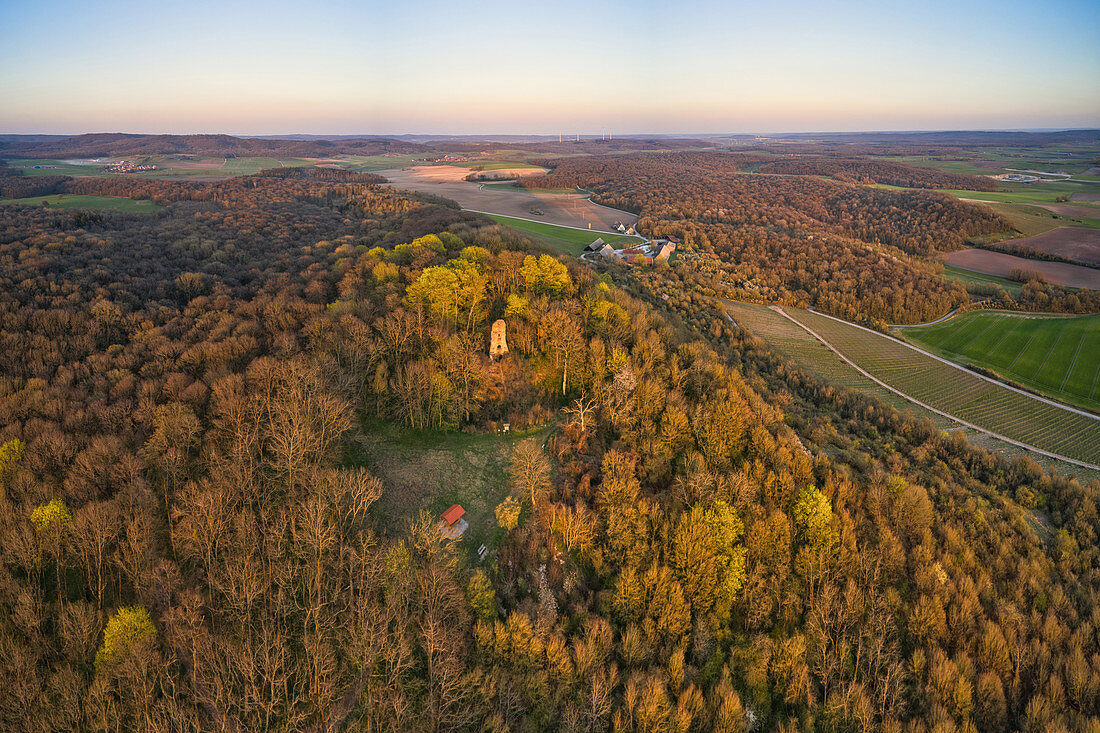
(969, 276)
(430, 471)
(565, 239)
(74, 201)
(1058, 356)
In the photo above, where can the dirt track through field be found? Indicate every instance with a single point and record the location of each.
(1001, 265)
(573, 210)
(915, 401)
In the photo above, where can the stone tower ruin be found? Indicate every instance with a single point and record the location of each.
(498, 341)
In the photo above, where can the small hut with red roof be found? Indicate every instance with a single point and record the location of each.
(453, 526)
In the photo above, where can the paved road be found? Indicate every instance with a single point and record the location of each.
(949, 416)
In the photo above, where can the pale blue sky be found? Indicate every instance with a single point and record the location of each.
(422, 66)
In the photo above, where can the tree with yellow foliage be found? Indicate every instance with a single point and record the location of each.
(130, 625)
(50, 520)
(507, 513)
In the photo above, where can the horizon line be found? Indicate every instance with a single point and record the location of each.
(572, 135)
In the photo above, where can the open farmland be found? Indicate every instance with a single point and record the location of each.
(35, 167)
(967, 277)
(797, 344)
(1071, 242)
(1027, 193)
(813, 356)
(959, 393)
(566, 239)
(76, 201)
(573, 210)
(1056, 355)
(1002, 265)
(1075, 211)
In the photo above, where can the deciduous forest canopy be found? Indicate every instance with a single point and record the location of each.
(692, 534)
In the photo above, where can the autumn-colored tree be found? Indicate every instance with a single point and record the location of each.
(507, 513)
(529, 470)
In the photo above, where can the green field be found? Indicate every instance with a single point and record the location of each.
(1072, 159)
(1026, 193)
(968, 276)
(368, 163)
(72, 201)
(1055, 355)
(495, 165)
(568, 240)
(808, 353)
(959, 393)
(53, 168)
(168, 166)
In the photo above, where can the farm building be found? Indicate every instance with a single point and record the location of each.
(665, 252)
(452, 526)
(595, 246)
(609, 252)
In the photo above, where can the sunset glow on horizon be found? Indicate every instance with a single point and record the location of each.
(431, 68)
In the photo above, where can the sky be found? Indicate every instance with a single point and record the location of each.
(428, 67)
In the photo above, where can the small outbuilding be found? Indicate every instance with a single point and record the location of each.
(595, 246)
(453, 526)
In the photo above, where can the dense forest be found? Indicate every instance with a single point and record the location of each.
(851, 250)
(871, 171)
(861, 253)
(708, 539)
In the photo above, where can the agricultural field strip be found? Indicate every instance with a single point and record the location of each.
(1095, 377)
(1027, 346)
(1026, 419)
(811, 355)
(982, 401)
(536, 221)
(1047, 375)
(988, 326)
(962, 369)
(1005, 336)
(814, 357)
(1061, 332)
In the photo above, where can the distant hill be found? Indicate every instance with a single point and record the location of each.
(101, 145)
(950, 137)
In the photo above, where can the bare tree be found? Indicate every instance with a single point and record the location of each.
(529, 470)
